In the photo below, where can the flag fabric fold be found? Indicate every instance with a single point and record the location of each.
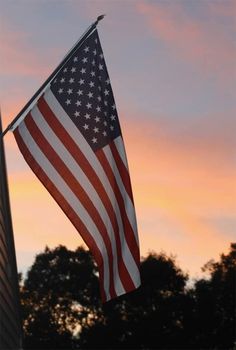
(72, 140)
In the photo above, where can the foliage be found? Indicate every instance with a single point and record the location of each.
(59, 293)
(215, 303)
(62, 310)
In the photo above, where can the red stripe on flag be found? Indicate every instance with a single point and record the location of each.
(122, 170)
(68, 210)
(131, 239)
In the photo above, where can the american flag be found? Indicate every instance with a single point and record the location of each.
(71, 139)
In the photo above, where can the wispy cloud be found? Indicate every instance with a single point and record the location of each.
(223, 9)
(182, 165)
(203, 43)
(190, 174)
(183, 180)
(19, 56)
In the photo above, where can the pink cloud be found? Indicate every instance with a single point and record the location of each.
(18, 55)
(205, 44)
(223, 8)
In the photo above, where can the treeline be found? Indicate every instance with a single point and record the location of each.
(61, 307)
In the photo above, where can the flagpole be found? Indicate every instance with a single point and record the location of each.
(49, 79)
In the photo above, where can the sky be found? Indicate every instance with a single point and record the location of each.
(172, 66)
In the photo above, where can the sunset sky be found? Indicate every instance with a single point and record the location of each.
(173, 73)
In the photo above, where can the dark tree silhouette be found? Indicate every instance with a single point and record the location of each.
(62, 309)
(59, 294)
(148, 318)
(215, 301)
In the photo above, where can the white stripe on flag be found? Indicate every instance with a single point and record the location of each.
(127, 201)
(121, 150)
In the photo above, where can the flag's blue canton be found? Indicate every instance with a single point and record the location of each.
(83, 89)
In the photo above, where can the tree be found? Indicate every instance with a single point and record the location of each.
(62, 309)
(215, 301)
(59, 293)
(149, 318)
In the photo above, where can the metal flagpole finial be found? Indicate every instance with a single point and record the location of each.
(99, 18)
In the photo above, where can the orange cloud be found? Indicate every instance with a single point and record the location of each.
(180, 187)
(200, 173)
(176, 188)
(37, 219)
(204, 44)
